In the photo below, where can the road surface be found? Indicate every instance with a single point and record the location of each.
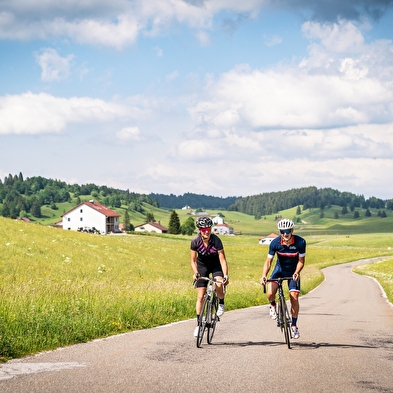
(346, 345)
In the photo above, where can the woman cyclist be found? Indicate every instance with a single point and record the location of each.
(291, 255)
(208, 257)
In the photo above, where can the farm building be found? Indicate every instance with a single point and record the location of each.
(151, 227)
(268, 239)
(91, 215)
(222, 229)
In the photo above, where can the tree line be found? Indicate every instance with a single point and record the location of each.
(194, 201)
(308, 197)
(20, 197)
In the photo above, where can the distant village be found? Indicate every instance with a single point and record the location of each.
(94, 217)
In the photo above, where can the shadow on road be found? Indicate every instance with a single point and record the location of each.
(295, 344)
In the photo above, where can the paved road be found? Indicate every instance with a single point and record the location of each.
(346, 345)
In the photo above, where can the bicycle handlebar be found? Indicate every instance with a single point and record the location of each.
(210, 279)
(278, 279)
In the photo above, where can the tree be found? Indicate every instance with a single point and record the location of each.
(188, 227)
(174, 224)
(298, 210)
(367, 213)
(36, 209)
(355, 214)
(126, 221)
(150, 217)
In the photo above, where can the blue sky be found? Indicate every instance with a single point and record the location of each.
(215, 97)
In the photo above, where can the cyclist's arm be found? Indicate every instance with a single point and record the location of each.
(266, 268)
(194, 266)
(224, 263)
(300, 265)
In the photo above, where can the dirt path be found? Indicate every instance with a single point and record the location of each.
(346, 345)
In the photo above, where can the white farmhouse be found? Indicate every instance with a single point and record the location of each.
(151, 227)
(222, 229)
(218, 220)
(89, 215)
(268, 239)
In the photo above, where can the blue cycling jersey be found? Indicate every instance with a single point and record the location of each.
(287, 256)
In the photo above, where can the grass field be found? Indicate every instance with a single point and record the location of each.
(62, 287)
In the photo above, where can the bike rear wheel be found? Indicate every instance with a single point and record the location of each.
(285, 323)
(213, 319)
(203, 320)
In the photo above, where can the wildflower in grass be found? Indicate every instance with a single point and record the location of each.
(101, 269)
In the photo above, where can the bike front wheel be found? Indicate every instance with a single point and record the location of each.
(213, 319)
(286, 323)
(203, 321)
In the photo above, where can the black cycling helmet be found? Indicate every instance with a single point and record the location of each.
(204, 222)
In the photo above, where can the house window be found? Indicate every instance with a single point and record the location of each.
(81, 218)
(81, 211)
(69, 219)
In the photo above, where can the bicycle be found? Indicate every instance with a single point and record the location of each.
(283, 317)
(208, 317)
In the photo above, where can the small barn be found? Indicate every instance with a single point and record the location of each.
(222, 229)
(151, 227)
(268, 239)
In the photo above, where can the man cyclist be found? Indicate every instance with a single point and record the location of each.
(291, 254)
(208, 257)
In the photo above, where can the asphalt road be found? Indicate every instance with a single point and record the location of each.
(346, 345)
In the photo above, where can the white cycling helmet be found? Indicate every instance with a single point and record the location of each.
(285, 223)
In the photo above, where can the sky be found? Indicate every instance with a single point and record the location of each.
(214, 97)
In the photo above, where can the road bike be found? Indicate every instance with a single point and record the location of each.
(208, 317)
(283, 317)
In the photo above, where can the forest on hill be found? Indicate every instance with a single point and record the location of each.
(308, 198)
(195, 201)
(21, 197)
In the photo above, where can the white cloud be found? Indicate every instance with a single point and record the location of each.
(172, 76)
(129, 134)
(271, 40)
(30, 113)
(54, 67)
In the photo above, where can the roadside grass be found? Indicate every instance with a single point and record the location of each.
(382, 271)
(60, 287)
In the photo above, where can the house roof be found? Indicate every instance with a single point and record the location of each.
(271, 236)
(222, 225)
(154, 224)
(97, 207)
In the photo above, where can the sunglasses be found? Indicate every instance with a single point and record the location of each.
(205, 230)
(285, 231)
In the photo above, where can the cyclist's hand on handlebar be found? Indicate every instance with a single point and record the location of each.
(263, 281)
(296, 277)
(196, 276)
(225, 280)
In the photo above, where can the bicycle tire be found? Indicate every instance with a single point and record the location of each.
(202, 321)
(285, 323)
(213, 319)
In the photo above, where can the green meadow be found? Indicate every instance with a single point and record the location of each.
(59, 288)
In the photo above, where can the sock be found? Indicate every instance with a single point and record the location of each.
(273, 303)
(221, 301)
(197, 319)
(294, 321)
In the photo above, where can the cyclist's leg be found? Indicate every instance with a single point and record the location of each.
(272, 286)
(201, 288)
(294, 291)
(219, 275)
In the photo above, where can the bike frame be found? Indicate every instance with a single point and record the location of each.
(208, 317)
(283, 317)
